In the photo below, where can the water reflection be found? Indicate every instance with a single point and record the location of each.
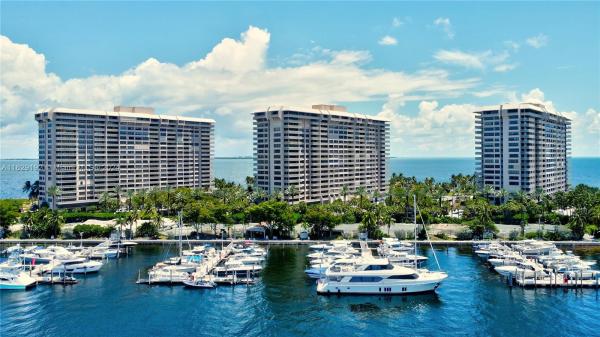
(383, 304)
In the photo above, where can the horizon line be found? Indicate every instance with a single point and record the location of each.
(391, 157)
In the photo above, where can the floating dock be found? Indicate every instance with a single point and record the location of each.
(205, 268)
(554, 280)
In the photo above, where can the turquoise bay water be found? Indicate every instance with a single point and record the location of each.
(13, 173)
(473, 301)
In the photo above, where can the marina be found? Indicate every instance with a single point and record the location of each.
(532, 263)
(472, 300)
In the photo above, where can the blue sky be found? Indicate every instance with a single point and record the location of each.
(425, 66)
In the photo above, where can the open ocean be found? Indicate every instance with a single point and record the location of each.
(14, 172)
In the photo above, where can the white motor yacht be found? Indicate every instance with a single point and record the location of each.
(195, 250)
(393, 244)
(321, 247)
(12, 277)
(378, 276)
(317, 270)
(167, 275)
(71, 266)
(238, 268)
(521, 268)
(404, 259)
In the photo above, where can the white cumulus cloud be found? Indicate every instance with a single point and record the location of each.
(388, 41)
(227, 84)
(443, 130)
(502, 68)
(445, 25)
(476, 60)
(537, 41)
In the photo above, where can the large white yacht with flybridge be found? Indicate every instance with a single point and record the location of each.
(378, 276)
(370, 275)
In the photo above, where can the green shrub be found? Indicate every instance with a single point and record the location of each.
(466, 234)
(532, 235)
(83, 216)
(147, 229)
(513, 235)
(92, 231)
(404, 235)
(443, 236)
(557, 236)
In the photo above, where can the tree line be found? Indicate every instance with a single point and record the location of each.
(458, 200)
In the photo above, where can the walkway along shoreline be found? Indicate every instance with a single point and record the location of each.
(564, 244)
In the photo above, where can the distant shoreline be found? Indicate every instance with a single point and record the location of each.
(392, 157)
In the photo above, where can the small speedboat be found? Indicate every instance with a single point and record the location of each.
(200, 283)
(53, 278)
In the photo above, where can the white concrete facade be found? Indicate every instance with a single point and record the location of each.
(86, 153)
(522, 147)
(319, 151)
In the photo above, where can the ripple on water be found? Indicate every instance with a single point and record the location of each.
(473, 301)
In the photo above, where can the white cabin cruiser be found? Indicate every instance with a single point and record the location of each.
(202, 282)
(522, 268)
(12, 277)
(378, 276)
(317, 270)
(404, 259)
(167, 275)
(238, 268)
(71, 266)
(393, 244)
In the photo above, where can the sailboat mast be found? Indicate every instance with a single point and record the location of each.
(180, 228)
(415, 222)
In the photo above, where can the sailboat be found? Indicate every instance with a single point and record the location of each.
(175, 269)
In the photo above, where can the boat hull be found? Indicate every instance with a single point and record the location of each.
(8, 286)
(371, 289)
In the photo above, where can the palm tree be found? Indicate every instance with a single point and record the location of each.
(156, 218)
(32, 189)
(292, 191)
(376, 195)
(27, 187)
(118, 191)
(538, 194)
(361, 192)
(250, 184)
(369, 223)
(502, 194)
(28, 221)
(132, 217)
(54, 191)
(104, 201)
(169, 198)
(121, 220)
(344, 192)
(141, 200)
(488, 190)
(387, 219)
(277, 194)
(130, 195)
(258, 195)
(55, 220)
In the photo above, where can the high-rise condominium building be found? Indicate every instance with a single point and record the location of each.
(319, 151)
(522, 147)
(86, 153)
